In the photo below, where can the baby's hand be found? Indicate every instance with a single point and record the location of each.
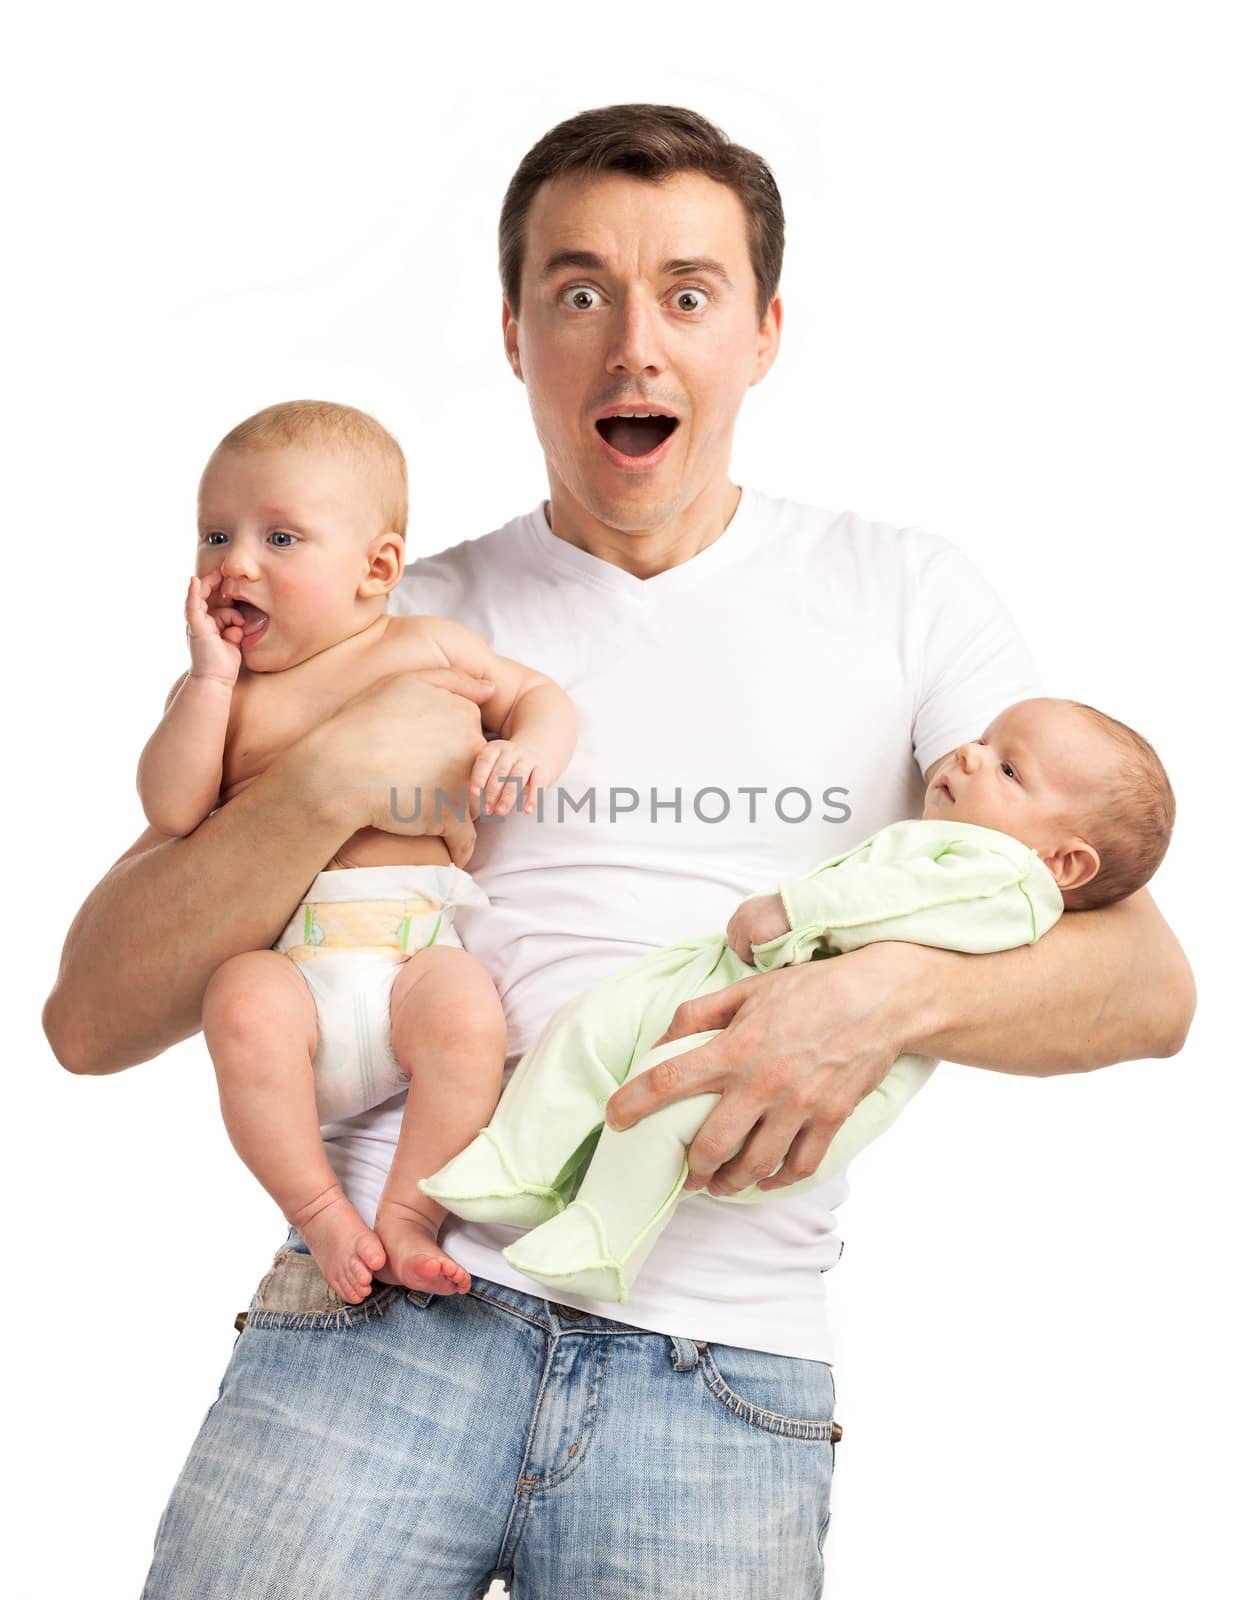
(213, 636)
(756, 921)
(503, 758)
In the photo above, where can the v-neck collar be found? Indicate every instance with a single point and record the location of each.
(601, 574)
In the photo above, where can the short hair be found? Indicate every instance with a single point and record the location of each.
(1132, 829)
(652, 143)
(324, 422)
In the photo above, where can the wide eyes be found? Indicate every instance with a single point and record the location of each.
(280, 538)
(579, 297)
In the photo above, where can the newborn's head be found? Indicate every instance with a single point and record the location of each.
(1087, 793)
(303, 507)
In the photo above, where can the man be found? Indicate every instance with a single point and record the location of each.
(761, 685)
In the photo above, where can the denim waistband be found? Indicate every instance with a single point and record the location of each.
(549, 1314)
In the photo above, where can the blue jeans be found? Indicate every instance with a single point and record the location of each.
(420, 1445)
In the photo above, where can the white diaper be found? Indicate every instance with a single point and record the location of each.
(353, 930)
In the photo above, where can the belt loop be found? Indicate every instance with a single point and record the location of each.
(685, 1354)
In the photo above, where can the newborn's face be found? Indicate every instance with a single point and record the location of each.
(1038, 770)
(289, 529)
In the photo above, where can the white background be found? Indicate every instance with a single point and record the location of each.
(1007, 292)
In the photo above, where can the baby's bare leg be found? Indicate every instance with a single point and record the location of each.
(448, 1033)
(261, 1030)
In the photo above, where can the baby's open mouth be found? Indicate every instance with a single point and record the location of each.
(636, 433)
(254, 618)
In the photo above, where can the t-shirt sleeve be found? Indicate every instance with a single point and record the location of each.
(970, 659)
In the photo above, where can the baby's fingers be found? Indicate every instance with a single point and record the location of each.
(484, 763)
(195, 614)
(513, 792)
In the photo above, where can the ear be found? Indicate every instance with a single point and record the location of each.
(769, 331)
(1073, 864)
(386, 554)
(509, 330)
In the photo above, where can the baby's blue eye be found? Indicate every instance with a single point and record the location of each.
(276, 539)
(1009, 770)
(215, 538)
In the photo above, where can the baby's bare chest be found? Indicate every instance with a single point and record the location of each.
(272, 710)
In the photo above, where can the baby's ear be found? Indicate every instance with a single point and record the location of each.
(385, 563)
(1073, 864)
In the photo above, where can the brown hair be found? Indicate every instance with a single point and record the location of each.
(1132, 830)
(323, 422)
(649, 142)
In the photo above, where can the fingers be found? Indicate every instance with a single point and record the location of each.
(689, 1072)
(708, 1011)
(719, 1140)
(225, 621)
(459, 839)
(803, 1158)
(196, 613)
(761, 1155)
(477, 689)
(738, 939)
(503, 775)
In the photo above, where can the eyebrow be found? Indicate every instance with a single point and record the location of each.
(588, 261)
(266, 514)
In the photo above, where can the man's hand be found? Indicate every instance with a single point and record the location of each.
(756, 921)
(800, 1049)
(399, 755)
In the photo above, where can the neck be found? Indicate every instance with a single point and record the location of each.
(644, 552)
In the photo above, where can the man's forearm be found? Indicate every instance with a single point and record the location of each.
(143, 946)
(1102, 986)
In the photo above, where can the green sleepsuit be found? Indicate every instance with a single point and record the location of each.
(596, 1200)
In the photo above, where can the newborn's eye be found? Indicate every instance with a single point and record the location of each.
(580, 298)
(282, 541)
(1010, 771)
(214, 538)
(691, 300)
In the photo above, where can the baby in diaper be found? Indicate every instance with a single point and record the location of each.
(301, 522)
(1056, 807)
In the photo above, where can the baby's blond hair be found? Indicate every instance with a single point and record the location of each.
(323, 422)
(1132, 828)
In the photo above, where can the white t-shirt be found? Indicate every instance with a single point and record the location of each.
(743, 716)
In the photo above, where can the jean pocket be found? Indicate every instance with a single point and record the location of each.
(294, 1294)
(784, 1395)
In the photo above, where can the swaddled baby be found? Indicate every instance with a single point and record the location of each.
(1056, 807)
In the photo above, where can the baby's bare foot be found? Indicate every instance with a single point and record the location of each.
(413, 1256)
(343, 1246)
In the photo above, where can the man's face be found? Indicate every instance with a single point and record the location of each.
(637, 296)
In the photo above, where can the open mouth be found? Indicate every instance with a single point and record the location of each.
(636, 433)
(256, 621)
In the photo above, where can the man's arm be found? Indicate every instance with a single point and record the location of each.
(1103, 986)
(145, 943)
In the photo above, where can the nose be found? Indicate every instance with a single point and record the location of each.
(970, 755)
(635, 347)
(239, 561)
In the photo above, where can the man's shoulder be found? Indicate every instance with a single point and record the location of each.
(439, 581)
(835, 532)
